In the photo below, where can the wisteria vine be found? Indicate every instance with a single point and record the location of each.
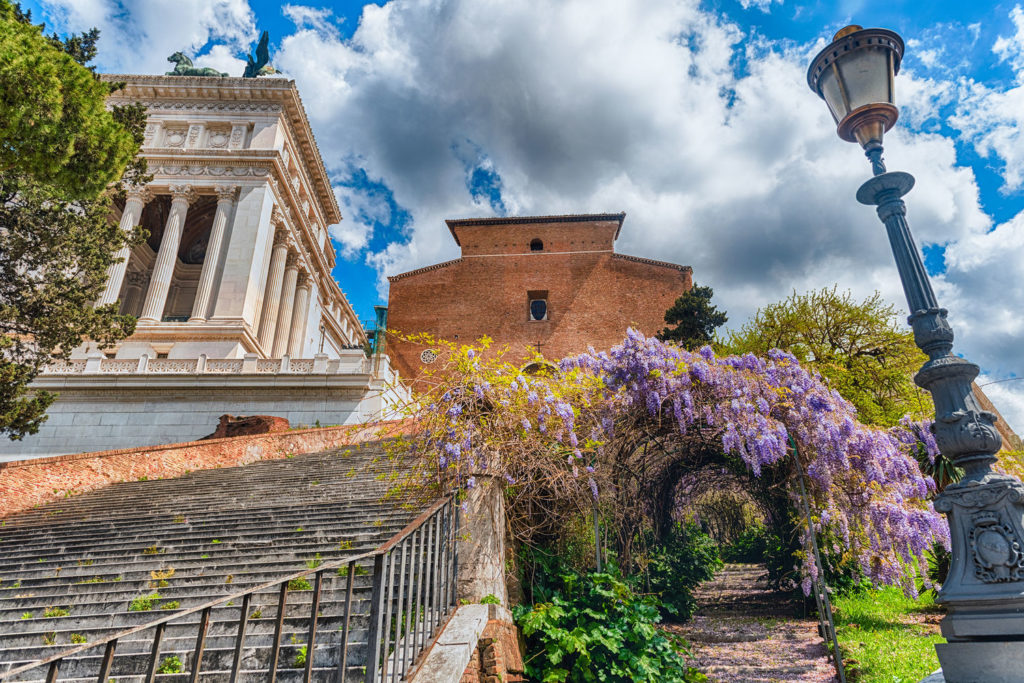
(547, 436)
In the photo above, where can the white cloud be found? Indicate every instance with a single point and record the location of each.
(608, 105)
(991, 118)
(137, 37)
(763, 5)
(1011, 48)
(318, 19)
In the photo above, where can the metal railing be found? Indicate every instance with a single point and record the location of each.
(414, 581)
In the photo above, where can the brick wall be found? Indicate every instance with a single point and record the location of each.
(498, 656)
(26, 483)
(593, 295)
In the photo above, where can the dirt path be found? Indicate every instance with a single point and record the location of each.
(742, 632)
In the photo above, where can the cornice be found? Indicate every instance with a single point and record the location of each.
(454, 223)
(652, 262)
(443, 264)
(192, 93)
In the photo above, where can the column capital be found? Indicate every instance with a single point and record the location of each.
(277, 217)
(140, 192)
(292, 261)
(226, 193)
(281, 237)
(304, 281)
(184, 192)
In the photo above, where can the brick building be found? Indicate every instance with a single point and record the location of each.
(552, 283)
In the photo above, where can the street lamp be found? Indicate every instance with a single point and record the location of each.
(984, 591)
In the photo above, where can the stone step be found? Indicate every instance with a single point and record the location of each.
(186, 626)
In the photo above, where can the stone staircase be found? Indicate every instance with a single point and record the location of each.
(84, 568)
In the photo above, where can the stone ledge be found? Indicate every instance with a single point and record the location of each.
(452, 650)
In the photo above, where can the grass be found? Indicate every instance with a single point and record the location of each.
(52, 612)
(884, 636)
(78, 638)
(299, 585)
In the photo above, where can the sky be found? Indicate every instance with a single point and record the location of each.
(692, 117)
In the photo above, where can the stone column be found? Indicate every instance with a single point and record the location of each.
(299, 316)
(163, 269)
(138, 197)
(272, 293)
(225, 202)
(284, 311)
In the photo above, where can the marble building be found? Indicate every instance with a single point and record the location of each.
(237, 310)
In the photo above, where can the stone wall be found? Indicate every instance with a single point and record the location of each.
(109, 409)
(26, 483)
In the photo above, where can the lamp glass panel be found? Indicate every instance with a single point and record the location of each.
(865, 74)
(832, 94)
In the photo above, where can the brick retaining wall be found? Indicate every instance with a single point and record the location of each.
(26, 483)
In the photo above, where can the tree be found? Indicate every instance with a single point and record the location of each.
(695, 319)
(859, 347)
(64, 160)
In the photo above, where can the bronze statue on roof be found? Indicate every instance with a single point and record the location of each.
(260, 66)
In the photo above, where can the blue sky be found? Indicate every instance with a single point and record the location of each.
(692, 117)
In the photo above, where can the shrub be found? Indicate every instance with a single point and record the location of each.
(78, 638)
(299, 585)
(170, 604)
(51, 612)
(594, 628)
(749, 547)
(685, 559)
(300, 658)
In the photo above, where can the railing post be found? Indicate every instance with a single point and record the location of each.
(107, 662)
(154, 653)
(243, 623)
(197, 658)
(343, 658)
(376, 621)
(311, 639)
(275, 653)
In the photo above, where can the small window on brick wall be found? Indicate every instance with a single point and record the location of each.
(537, 305)
(536, 244)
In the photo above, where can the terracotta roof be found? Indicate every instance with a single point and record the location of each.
(521, 220)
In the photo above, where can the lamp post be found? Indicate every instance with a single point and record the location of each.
(984, 591)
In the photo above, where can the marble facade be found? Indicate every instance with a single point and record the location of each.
(237, 309)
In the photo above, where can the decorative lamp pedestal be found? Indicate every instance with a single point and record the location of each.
(984, 591)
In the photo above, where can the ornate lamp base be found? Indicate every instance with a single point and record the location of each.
(984, 591)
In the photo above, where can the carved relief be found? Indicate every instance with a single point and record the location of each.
(194, 131)
(175, 137)
(996, 550)
(237, 136)
(149, 134)
(218, 138)
(199, 170)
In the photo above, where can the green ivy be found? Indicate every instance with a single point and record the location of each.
(595, 628)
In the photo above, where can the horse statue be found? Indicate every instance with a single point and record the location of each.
(260, 65)
(183, 67)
